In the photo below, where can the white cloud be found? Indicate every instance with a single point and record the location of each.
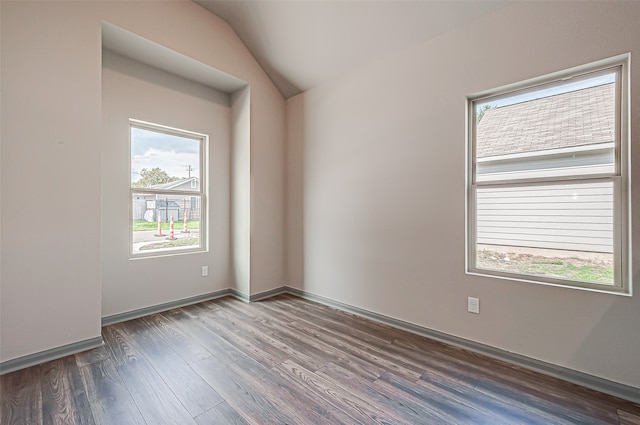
(170, 153)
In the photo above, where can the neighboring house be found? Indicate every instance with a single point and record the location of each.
(566, 134)
(149, 206)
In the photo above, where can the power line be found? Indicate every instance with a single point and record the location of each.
(190, 169)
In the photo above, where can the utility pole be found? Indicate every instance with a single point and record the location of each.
(190, 169)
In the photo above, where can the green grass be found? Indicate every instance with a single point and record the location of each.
(596, 274)
(565, 268)
(554, 262)
(178, 225)
(171, 244)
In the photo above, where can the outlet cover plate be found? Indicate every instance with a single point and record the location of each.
(473, 305)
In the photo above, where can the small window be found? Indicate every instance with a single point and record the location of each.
(548, 180)
(167, 190)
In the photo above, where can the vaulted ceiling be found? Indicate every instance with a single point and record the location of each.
(301, 44)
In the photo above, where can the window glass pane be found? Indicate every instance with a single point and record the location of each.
(558, 130)
(562, 231)
(164, 161)
(152, 227)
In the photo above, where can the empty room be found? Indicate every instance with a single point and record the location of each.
(319, 212)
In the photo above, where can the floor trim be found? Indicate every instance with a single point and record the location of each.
(239, 295)
(50, 354)
(134, 314)
(268, 294)
(586, 380)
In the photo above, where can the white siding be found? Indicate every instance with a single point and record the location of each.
(570, 217)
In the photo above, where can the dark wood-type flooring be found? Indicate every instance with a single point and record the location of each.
(288, 361)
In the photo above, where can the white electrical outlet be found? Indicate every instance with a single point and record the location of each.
(205, 271)
(473, 305)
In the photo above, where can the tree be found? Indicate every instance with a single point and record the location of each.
(153, 176)
(482, 110)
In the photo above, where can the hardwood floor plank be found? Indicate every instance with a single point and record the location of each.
(431, 404)
(79, 391)
(209, 339)
(92, 356)
(357, 350)
(111, 403)
(378, 353)
(221, 414)
(153, 397)
(442, 364)
(289, 361)
(342, 323)
(287, 395)
(252, 310)
(194, 310)
(119, 344)
(259, 334)
(192, 391)
(366, 390)
(58, 398)
(253, 406)
(187, 348)
(501, 409)
(244, 341)
(21, 397)
(460, 360)
(559, 412)
(360, 410)
(302, 342)
(561, 399)
(378, 330)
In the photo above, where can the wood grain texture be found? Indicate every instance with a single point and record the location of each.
(289, 361)
(254, 406)
(204, 335)
(188, 387)
(21, 397)
(109, 398)
(627, 418)
(63, 400)
(190, 350)
(221, 414)
(154, 398)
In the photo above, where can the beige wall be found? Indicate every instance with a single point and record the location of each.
(1, 178)
(133, 90)
(294, 154)
(383, 154)
(51, 150)
(241, 190)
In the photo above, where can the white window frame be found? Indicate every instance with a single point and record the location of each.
(202, 192)
(620, 178)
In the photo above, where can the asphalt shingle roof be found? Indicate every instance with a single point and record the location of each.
(170, 184)
(578, 118)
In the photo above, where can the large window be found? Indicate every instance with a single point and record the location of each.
(167, 190)
(548, 180)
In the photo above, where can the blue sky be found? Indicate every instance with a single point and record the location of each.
(171, 153)
(550, 91)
